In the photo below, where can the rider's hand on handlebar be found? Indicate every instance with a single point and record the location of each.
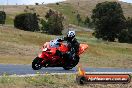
(60, 39)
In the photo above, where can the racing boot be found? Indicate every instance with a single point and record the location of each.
(59, 53)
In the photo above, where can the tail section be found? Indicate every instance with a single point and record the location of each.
(82, 48)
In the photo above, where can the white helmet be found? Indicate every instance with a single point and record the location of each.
(71, 34)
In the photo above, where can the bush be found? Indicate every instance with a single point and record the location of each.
(109, 20)
(53, 24)
(2, 17)
(44, 27)
(88, 22)
(57, 3)
(27, 22)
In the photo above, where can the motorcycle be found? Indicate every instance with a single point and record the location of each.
(49, 58)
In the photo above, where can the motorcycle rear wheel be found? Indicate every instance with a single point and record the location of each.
(36, 64)
(66, 67)
(77, 58)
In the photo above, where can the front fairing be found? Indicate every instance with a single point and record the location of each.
(63, 48)
(54, 45)
(41, 55)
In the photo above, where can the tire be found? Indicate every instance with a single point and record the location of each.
(76, 60)
(36, 64)
(81, 80)
(67, 68)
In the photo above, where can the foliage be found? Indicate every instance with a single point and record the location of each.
(123, 36)
(79, 18)
(129, 23)
(27, 22)
(36, 3)
(2, 17)
(69, 11)
(88, 22)
(44, 27)
(57, 3)
(49, 13)
(108, 19)
(54, 23)
(30, 10)
(126, 34)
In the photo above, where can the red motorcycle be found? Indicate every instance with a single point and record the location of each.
(49, 58)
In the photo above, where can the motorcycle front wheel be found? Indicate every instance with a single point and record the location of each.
(36, 64)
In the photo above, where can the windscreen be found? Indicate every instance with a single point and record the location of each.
(54, 43)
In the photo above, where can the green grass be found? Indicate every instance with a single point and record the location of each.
(85, 6)
(105, 54)
(13, 35)
(21, 47)
(68, 11)
(9, 20)
(51, 81)
(46, 81)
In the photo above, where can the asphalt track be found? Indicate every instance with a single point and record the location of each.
(27, 69)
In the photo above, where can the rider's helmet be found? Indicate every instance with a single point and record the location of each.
(71, 34)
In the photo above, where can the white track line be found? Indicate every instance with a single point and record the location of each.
(108, 72)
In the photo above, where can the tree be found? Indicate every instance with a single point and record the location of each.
(126, 35)
(129, 23)
(57, 3)
(49, 13)
(54, 23)
(108, 19)
(79, 18)
(87, 21)
(36, 3)
(27, 22)
(129, 27)
(44, 24)
(2, 17)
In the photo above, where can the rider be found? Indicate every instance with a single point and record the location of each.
(72, 44)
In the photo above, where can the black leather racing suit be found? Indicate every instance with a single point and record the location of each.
(73, 45)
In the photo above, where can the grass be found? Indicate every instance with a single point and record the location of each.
(105, 54)
(51, 81)
(9, 20)
(68, 11)
(13, 10)
(21, 47)
(85, 6)
(46, 81)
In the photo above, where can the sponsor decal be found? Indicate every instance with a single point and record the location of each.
(83, 78)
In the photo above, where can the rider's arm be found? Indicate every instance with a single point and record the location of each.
(62, 39)
(76, 45)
